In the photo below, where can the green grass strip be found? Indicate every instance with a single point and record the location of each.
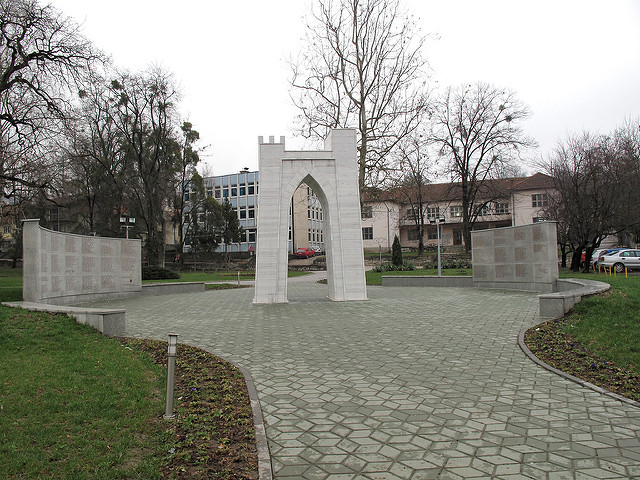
(73, 403)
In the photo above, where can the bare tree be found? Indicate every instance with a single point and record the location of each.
(361, 66)
(43, 58)
(412, 174)
(146, 120)
(476, 129)
(627, 144)
(587, 200)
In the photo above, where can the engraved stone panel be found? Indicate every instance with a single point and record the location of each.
(504, 272)
(73, 285)
(107, 246)
(520, 254)
(72, 265)
(57, 242)
(481, 272)
(88, 245)
(523, 272)
(89, 283)
(107, 265)
(108, 283)
(537, 233)
(89, 264)
(129, 248)
(71, 244)
(500, 238)
(500, 255)
(519, 235)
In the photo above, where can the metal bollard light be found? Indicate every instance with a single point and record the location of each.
(171, 373)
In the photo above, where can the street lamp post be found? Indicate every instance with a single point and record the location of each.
(127, 222)
(171, 374)
(437, 221)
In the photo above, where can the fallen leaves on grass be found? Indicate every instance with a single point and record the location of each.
(549, 342)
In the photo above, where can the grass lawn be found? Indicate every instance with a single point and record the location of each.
(10, 284)
(77, 404)
(609, 324)
(221, 276)
(74, 403)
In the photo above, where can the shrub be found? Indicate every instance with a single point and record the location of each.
(390, 267)
(396, 252)
(153, 272)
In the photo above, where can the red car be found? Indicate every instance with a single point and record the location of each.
(305, 252)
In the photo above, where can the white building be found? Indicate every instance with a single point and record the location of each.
(506, 202)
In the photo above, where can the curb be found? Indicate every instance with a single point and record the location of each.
(265, 470)
(567, 376)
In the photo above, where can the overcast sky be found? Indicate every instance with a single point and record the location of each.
(575, 63)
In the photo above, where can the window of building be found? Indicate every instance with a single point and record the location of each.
(483, 210)
(201, 218)
(252, 235)
(250, 189)
(209, 192)
(413, 234)
(217, 192)
(243, 191)
(243, 213)
(455, 210)
(252, 213)
(234, 191)
(186, 196)
(539, 200)
(502, 208)
(367, 233)
(225, 192)
(367, 211)
(432, 233)
(433, 212)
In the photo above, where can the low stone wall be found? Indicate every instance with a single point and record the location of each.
(109, 321)
(570, 291)
(172, 287)
(63, 269)
(517, 258)
(426, 281)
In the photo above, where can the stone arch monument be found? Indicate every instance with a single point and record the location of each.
(332, 173)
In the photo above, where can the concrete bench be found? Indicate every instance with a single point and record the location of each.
(111, 322)
(569, 292)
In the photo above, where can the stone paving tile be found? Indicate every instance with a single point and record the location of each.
(412, 384)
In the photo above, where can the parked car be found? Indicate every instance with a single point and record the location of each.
(629, 258)
(305, 252)
(595, 258)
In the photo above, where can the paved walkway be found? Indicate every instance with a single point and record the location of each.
(415, 383)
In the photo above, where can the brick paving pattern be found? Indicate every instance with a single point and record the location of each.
(416, 383)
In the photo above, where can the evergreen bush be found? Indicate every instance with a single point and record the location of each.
(154, 272)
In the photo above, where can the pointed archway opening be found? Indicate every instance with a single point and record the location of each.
(332, 175)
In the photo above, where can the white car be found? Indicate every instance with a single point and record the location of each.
(629, 259)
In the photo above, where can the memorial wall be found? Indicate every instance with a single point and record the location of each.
(519, 258)
(64, 269)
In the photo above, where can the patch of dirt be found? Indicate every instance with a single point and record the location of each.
(213, 435)
(551, 344)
